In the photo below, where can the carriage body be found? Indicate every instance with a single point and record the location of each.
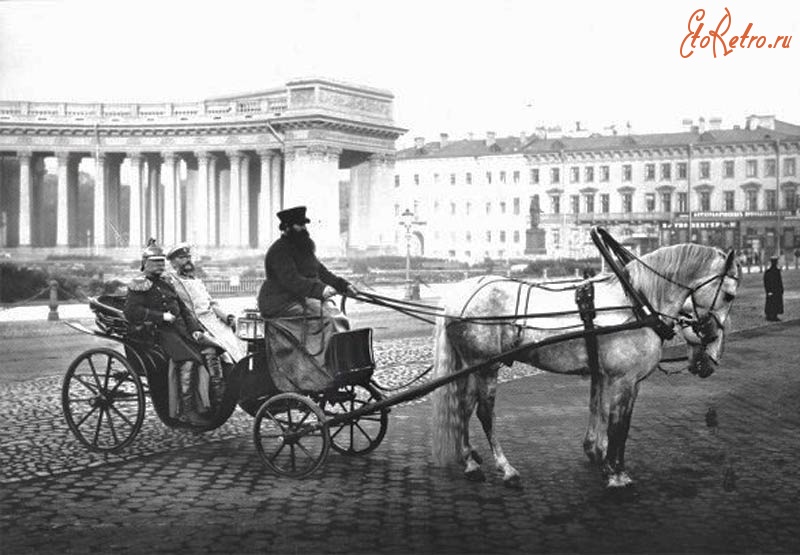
(105, 389)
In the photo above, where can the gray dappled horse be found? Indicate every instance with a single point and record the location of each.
(687, 284)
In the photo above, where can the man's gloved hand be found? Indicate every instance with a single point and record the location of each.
(196, 335)
(169, 317)
(328, 292)
(231, 321)
(351, 290)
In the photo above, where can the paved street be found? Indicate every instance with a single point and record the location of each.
(728, 488)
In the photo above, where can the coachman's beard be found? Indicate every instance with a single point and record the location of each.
(187, 269)
(301, 241)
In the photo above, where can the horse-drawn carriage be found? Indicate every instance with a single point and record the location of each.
(611, 327)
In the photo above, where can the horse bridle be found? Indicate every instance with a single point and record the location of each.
(705, 327)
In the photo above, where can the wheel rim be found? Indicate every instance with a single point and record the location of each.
(103, 400)
(291, 435)
(361, 435)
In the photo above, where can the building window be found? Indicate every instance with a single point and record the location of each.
(488, 207)
(436, 206)
(683, 170)
(489, 178)
(588, 174)
(682, 205)
(534, 176)
(488, 236)
(790, 200)
(605, 173)
(574, 174)
(436, 178)
(769, 200)
(604, 203)
(502, 207)
(728, 169)
(705, 170)
(627, 203)
(575, 204)
(666, 202)
(666, 171)
(516, 236)
(397, 210)
(705, 201)
(555, 175)
(451, 253)
(515, 177)
(502, 236)
(555, 204)
(516, 207)
(396, 180)
(649, 172)
(416, 179)
(627, 172)
(452, 179)
(729, 198)
(751, 168)
(452, 208)
(789, 166)
(751, 200)
(469, 236)
(468, 178)
(502, 177)
(650, 202)
(468, 208)
(588, 202)
(769, 167)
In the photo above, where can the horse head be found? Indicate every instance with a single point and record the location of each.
(705, 313)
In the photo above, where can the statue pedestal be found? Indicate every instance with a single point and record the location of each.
(535, 241)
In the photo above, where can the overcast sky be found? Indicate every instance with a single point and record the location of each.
(455, 67)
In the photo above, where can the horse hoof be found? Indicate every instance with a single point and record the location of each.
(475, 475)
(514, 482)
(620, 480)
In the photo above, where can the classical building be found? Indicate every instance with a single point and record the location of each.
(212, 172)
(520, 197)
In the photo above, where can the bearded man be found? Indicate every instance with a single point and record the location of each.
(218, 325)
(295, 300)
(152, 299)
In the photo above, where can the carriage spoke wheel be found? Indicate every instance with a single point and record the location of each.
(291, 435)
(103, 400)
(361, 435)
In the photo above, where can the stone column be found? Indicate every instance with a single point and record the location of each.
(135, 237)
(213, 202)
(244, 202)
(264, 208)
(275, 194)
(312, 179)
(62, 201)
(113, 195)
(380, 213)
(232, 233)
(171, 204)
(359, 217)
(154, 183)
(73, 189)
(203, 212)
(100, 201)
(24, 198)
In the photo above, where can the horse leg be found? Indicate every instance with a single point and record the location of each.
(487, 393)
(622, 395)
(595, 441)
(472, 471)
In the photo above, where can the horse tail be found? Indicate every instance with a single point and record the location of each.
(448, 420)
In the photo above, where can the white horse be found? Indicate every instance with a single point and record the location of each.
(686, 283)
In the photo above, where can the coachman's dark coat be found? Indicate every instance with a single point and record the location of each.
(292, 277)
(149, 297)
(773, 287)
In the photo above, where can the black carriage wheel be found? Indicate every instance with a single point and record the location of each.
(291, 435)
(360, 435)
(103, 400)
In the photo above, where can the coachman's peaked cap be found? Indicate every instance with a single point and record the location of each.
(181, 249)
(292, 216)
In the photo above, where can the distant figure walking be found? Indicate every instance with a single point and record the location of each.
(773, 286)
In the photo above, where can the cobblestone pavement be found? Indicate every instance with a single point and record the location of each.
(732, 487)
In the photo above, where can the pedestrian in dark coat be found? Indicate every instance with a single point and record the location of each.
(153, 300)
(773, 286)
(295, 301)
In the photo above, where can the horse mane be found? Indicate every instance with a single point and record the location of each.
(684, 264)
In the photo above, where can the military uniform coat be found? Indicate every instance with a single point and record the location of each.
(148, 299)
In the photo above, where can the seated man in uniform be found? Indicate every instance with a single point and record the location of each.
(295, 301)
(154, 300)
(216, 322)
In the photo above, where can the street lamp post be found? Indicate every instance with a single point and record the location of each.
(407, 220)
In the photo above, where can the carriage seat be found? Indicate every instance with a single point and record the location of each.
(108, 314)
(349, 356)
